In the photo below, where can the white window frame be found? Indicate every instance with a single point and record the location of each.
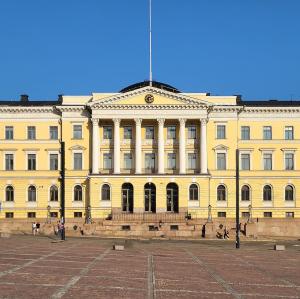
(83, 192)
(187, 160)
(294, 193)
(73, 159)
(226, 194)
(36, 160)
(124, 132)
(36, 193)
(155, 159)
(272, 193)
(55, 153)
(176, 162)
(146, 132)
(9, 153)
(110, 192)
(221, 151)
(188, 191)
(27, 135)
(132, 160)
(250, 194)
(196, 132)
(289, 151)
(50, 132)
(77, 124)
(112, 160)
(216, 130)
(168, 127)
(293, 132)
(4, 194)
(248, 152)
(58, 190)
(13, 130)
(267, 151)
(112, 132)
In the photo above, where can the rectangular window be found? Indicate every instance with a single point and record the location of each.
(267, 133)
(53, 161)
(128, 161)
(171, 132)
(31, 162)
(9, 215)
(268, 214)
(31, 215)
(289, 214)
(221, 132)
(9, 162)
(245, 133)
(222, 214)
(149, 132)
(107, 132)
(53, 214)
(221, 161)
(150, 161)
(171, 161)
(9, 133)
(77, 214)
(107, 161)
(77, 131)
(127, 132)
(289, 161)
(245, 215)
(289, 133)
(245, 159)
(267, 161)
(192, 161)
(31, 133)
(53, 132)
(77, 161)
(192, 132)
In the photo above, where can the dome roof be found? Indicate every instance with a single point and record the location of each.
(155, 84)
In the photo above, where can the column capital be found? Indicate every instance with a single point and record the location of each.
(160, 121)
(116, 120)
(95, 121)
(203, 121)
(182, 121)
(138, 121)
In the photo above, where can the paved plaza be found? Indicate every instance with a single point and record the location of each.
(39, 267)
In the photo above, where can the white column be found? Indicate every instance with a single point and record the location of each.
(161, 146)
(203, 146)
(182, 168)
(96, 150)
(116, 145)
(138, 145)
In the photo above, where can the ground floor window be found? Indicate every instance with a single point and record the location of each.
(172, 198)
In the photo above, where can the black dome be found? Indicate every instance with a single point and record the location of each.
(156, 84)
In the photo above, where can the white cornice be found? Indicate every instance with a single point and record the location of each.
(73, 108)
(271, 110)
(24, 109)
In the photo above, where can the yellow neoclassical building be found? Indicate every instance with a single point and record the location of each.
(149, 149)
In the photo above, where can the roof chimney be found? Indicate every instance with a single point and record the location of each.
(60, 98)
(24, 98)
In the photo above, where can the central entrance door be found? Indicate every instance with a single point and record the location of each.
(127, 198)
(172, 198)
(150, 197)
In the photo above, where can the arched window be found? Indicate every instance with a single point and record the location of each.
(105, 192)
(289, 193)
(53, 193)
(31, 193)
(221, 193)
(77, 193)
(9, 193)
(245, 193)
(194, 192)
(267, 193)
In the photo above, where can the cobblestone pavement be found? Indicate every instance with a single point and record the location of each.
(38, 267)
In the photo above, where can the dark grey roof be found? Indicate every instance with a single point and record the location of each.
(156, 84)
(269, 103)
(29, 103)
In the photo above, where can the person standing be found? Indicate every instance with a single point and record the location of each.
(34, 228)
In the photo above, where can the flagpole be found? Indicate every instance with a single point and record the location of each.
(150, 41)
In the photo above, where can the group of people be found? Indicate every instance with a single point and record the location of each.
(35, 228)
(60, 229)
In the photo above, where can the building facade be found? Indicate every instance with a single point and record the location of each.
(149, 149)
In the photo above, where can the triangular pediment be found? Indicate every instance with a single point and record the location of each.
(221, 147)
(140, 97)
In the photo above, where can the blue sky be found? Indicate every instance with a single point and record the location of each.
(248, 47)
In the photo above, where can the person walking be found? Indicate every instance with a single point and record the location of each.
(38, 227)
(34, 228)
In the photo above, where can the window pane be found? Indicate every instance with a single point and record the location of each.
(245, 159)
(78, 161)
(171, 160)
(9, 193)
(105, 192)
(267, 193)
(267, 133)
(192, 161)
(267, 161)
(289, 193)
(9, 161)
(171, 132)
(220, 131)
(192, 133)
(77, 132)
(149, 132)
(31, 132)
(245, 133)
(221, 193)
(31, 161)
(107, 161)
(221, 161)
(193, 192)
(9, 133)
(150, 161)
(53, 161)
(77, 193)
(107, 132)
(289, 161)
(53, 193)
(289, 133)
(31, 193)
(127, 160)
(127, 132)
(53, 132)
(245, 193)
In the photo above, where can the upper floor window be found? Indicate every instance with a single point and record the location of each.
(267, 157)
(127, 160)
(245, 159)
(31, 162)
(107, 132)
(193, 192)
(267, 133)
(53, 161)
(77, 193)
(105, 192)
(289, 161)
(171, 161)
(267, 193)
(107, 161)
(171, 132)
(9, 193)
(53, 132)
(245, 193)
(149, 132)
(289, 193)
(221, 161)
(9, 162)
(192, 161)
(127, 132)
(31, 133)
(150, 161)
(289, 133)
(221, 131)
(31, 193)
(192, 132)
(53, 193)
(245, 133)
(221, 193)
(9, 132)
(77, 161)
(77, 131)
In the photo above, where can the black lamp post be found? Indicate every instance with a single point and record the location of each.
(48, 214)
